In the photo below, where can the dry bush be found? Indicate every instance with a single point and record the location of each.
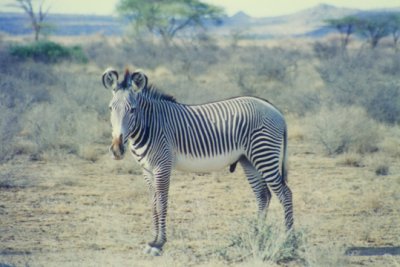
(344, 129)
(327, 50)
(63, 125)
(8, 130)
(49, 108)
(201, 71)
(390, 144)
(265, 243)
(296, 129)
(379, 163)
(187, 58)
(22, 87)
(258, 68)
(365, 77)
(277, 75)
(50, 127)
(274, 64)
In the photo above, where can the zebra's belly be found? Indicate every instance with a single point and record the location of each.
(207, 164)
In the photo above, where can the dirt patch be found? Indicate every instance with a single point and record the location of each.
(76, 212)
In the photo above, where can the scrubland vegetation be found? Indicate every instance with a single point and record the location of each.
(343, 112)
(348, 99)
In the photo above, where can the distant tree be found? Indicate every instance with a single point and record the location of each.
(394, 28)
(166, 18)
(346, 27)
(374, 28)
(36, 19)
(236, 35)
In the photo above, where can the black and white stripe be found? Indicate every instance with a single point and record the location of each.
(166, 134)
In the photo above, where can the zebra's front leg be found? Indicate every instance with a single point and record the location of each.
(149, 178)
(150, 248)
(160, 205)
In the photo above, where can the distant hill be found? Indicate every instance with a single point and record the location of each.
(298, 24)
(308, 22)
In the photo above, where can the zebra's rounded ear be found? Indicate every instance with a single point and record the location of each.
(110, 78)
(139, 79)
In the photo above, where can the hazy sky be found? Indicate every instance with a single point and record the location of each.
(255, 8)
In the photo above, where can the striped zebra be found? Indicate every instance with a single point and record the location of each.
(164, 135)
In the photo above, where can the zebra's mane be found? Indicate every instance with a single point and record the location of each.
(151, 92)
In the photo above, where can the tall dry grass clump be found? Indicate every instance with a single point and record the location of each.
(257, 241)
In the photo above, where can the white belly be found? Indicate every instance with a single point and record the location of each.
(192, 164)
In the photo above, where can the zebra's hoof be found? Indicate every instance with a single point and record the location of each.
(152, 251)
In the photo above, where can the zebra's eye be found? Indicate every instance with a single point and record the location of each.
(131, 110)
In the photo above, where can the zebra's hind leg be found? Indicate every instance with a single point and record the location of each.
(259, 187)
(284, 194)
(270, 173)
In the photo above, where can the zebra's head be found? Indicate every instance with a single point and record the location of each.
(123, 106)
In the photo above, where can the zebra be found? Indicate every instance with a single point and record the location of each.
(164, 134)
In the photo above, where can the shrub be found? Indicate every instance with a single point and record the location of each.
(63, 126)
(391, 142)
(8, 130)
(365, 78)
(264, 242)
(383, 103)
(47, 112)
(382, 170)
(22, 87)
(344, 129)
(269, 64)
(326, 50)
(380, 163)
(48, 52)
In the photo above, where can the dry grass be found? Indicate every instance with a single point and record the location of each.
(64, 202)
(81, 213)
(351, 159)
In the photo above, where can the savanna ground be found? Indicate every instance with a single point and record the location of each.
(64, 202)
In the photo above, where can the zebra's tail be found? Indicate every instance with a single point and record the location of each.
(284, 170)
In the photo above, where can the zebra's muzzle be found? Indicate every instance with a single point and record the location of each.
(117, 148)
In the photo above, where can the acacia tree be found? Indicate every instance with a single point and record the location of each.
(374, 28)
(36, 19)
(394, 28)
(346, 27)
(166, 18)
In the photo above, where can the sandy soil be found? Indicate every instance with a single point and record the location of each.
(73, 212)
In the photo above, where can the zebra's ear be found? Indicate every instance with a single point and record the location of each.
(110, 78)
(139, 79)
